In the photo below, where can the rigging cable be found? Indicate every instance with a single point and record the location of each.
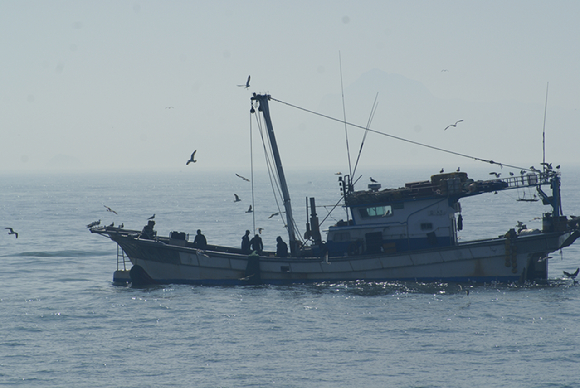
(544, 130)
(344, 115)
(403, 139)
(274, 183)
(331, 210)
(268, 163)
(252, 169)
(371, 116)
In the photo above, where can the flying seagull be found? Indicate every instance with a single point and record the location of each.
(236, 198)
(260, 230)
(152, 217)
(191, 158)
(572, 275)
(372, 180)
(109, 209)
(453, 125)
(497, 174)
(250, 209)
(12, 232)
(239, 176)
(272, 215)
(247, 85)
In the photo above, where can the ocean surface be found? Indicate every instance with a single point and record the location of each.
(64, 323)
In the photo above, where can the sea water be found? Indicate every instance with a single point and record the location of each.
(64, 323)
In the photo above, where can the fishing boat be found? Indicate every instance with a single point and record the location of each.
(402, 234)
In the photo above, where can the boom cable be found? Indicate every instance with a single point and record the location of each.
(402, 139)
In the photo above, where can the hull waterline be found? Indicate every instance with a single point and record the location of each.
(497, 259)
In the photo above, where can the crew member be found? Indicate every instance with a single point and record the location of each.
(200, 241)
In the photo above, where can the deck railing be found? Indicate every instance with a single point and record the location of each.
(528, 180)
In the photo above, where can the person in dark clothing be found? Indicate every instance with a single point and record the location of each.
(200, 241)
(246, 243)
(256, 245)
(281, 248)
(148, 231)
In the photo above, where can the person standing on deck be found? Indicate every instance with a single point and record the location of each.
(281, 248)
(256, 244)
(148, 231)
(246, 243)
(200, 241)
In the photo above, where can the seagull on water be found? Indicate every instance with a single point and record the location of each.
(442, 171)
(236, 198)
(12, 232)
(572, 275)
(453, 125)
(109, 209)
(247, 85)
(191, 158)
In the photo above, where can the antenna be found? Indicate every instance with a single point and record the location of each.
(344, 114)
(544, 130)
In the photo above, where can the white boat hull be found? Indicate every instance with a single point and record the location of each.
(479, 261)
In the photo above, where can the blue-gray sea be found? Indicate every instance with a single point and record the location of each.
(64, 323)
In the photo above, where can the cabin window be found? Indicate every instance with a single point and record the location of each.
(338, 237)
(376, 211)
(426, 226)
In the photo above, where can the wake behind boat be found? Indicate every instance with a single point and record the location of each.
(406, 234)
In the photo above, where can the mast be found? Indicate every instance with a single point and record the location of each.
(262, 99)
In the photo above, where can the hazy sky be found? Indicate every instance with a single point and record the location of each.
(141, 84)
